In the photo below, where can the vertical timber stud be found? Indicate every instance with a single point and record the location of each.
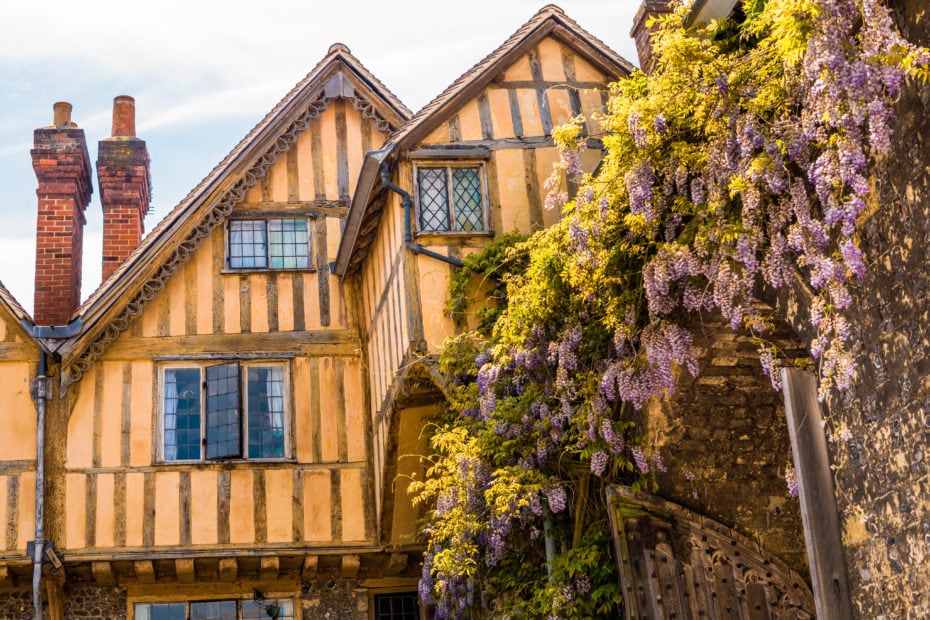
(815, 492)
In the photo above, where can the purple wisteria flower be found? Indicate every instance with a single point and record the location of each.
(599, 463)
(635, 127)
(640, 459)
(791, 480)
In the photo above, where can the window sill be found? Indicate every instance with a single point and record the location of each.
(225, 463)
(438, 235)
(229, 272)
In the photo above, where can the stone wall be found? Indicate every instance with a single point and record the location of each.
(724, 438)
(881, 428)
(335, 600)
(16, 605)
(91, 602)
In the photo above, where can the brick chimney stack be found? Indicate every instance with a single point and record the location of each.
(62, 167)
(125, 185)
(641, 32)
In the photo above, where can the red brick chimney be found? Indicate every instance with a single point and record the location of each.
(125, 185)
(641, 32)
(62, 167)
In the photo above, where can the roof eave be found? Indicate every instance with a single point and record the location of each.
(140, 267)
(368, 178)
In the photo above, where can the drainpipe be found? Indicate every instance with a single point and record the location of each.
(407, 204)
(38, 550)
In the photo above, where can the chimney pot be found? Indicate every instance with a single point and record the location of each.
(62, 117)
(124, 116)
(62, 167)
(125, 185)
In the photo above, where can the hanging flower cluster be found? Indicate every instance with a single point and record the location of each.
(740, 162)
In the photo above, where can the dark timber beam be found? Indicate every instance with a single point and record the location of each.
(229, 569)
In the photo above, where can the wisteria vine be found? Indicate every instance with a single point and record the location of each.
(741, 161)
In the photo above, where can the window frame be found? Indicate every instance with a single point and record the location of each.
(426, 611)
(266, 218)
(132, 602)
(449, 165)
(244, 364)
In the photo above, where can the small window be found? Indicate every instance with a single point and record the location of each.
(400, 606)
(269, 244)
(282, 609)
(451, 199)
(223, 411)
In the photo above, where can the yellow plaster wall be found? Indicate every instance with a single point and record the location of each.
(204, 490)
(317, 506)
(411, 447)
(516, 174)
(193, 302)
(18, 413)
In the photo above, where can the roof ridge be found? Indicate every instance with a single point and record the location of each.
(336, 52)
(549, 11)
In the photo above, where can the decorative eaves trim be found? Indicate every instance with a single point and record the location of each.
(216, 214)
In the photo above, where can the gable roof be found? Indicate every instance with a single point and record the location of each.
(550, 20)
(109, 310)
(13, 306)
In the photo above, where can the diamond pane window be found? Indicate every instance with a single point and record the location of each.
(450, 199)
(466, 189)
(434, 199)
(271, 243)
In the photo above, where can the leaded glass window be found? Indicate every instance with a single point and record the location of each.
(266, 412)
(401, 606)
(281, 609)
(161, 611)
(269, 244)
(214, 610)
(450, 199)
(223, 417)
(221, 411)
(182, 414)
(255, 611)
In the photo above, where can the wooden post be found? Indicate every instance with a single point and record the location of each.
(54, 581)
(819, 514)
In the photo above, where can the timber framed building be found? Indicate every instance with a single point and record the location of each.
(224, 415)
(223, 426)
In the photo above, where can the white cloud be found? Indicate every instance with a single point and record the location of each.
(197, 65)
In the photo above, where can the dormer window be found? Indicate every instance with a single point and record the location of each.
(268, 243)
(451, 198)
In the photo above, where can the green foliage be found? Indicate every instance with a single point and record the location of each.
(481, 281)
(739, 160)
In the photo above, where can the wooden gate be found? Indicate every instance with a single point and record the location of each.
(674, 563)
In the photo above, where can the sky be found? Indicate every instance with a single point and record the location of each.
(204, 72)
